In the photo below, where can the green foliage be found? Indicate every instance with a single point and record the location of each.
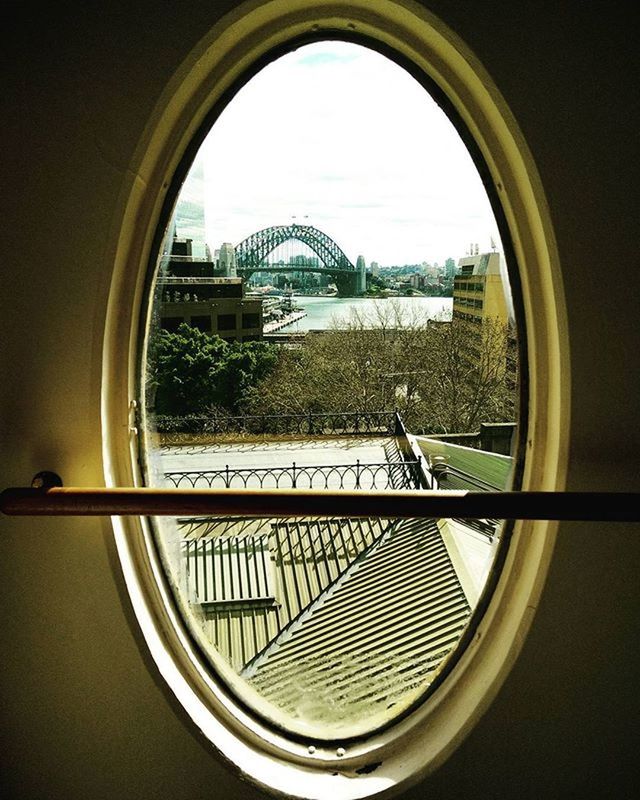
(443, 377)
(375, 284)
(193, 372)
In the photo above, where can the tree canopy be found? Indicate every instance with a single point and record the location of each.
(443, 376)
(192, 372)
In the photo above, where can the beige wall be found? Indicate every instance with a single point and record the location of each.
(485, 286)
(84, 713)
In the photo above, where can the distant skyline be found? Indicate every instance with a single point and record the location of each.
(337, 136)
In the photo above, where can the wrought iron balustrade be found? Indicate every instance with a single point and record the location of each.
(383, 475)
(326, 424)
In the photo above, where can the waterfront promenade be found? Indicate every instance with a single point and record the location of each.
(289, 319)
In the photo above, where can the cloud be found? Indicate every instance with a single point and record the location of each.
(342, 134)
(327, 57)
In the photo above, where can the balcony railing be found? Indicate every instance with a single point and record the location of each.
(338, 424)
(367, 476)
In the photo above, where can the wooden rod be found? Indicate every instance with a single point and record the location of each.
(68, 501)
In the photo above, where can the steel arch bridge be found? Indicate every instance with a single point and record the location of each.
(252, 252)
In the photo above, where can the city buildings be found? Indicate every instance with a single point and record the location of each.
(189, 214)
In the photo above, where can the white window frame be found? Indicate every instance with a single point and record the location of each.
(390, 760)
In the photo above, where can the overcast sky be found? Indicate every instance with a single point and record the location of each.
(343, 139)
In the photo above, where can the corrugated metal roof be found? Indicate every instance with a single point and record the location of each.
(306, 556)
(372, 639)
(331, 620)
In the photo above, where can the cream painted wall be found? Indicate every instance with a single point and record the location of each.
(84, 713)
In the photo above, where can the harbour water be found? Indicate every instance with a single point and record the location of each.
(325, 312)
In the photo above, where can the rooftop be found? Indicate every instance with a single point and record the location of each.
(332, 619)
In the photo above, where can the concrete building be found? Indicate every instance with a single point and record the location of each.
(98, 110)
(198, 292)
(479, 295)
(213, 305)
(226, 259)
(478, 289)
(181, 248)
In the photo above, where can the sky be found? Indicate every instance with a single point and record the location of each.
(337, 136)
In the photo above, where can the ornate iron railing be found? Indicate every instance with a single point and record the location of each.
(338, 424)
(383, 475)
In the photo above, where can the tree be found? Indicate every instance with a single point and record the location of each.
(191, 372)
(443, 376)
(376, 284)
(466, 378)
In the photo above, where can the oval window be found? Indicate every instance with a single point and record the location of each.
(330, 309)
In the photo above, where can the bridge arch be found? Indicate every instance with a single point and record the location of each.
(252, 251)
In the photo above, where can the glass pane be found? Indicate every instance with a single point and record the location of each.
(278, 356)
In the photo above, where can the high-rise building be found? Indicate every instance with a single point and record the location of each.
(479, 292)
(181, 248)
(481, 295)
(189, 217)
(226, 260)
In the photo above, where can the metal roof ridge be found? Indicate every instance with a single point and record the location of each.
(254, 664)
